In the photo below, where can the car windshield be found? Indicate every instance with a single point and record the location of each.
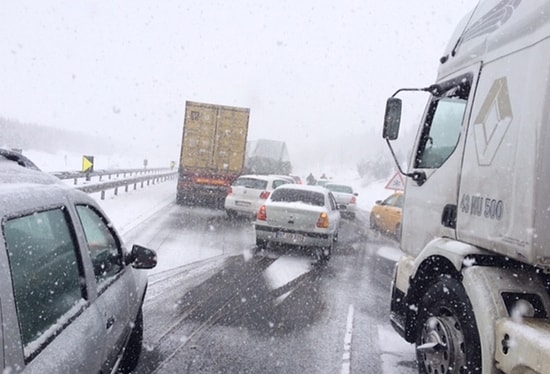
(257, 184)
(294, 196)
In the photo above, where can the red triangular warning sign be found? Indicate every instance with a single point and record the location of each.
(396, 183)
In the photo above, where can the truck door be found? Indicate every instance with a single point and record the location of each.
(431, 200)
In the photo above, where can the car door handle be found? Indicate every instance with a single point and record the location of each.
(110, 322)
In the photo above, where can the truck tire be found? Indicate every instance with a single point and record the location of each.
(447, 339)
(181, 198)
(132, 351)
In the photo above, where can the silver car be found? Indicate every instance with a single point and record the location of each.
(300, 215)
(345, 197)
(71, 294)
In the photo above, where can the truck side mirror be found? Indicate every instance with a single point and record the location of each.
(392, 119)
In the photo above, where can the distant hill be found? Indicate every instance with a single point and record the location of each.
(26, 136)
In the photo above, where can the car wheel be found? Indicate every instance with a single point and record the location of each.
(447, 338)
(326, 252)
(372, 221)
(231, 213)
(132, 351)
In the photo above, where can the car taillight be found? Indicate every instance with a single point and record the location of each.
(230, 191)
(353, 199)
(262, 214)
(323, 221)
(264, 195)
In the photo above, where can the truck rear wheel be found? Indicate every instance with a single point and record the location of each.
(447, 339)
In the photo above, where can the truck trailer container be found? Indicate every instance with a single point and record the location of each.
(212, 152)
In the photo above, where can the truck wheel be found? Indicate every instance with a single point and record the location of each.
(181, 198)
(132, 351)
(447, 339)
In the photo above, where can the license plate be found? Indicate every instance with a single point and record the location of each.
(296, 238)
(242, 203)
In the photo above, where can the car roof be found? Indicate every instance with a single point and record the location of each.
(267, 176)
(338, 184)
(24, 187)
(304, 187)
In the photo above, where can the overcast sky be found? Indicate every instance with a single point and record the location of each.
(309, 70)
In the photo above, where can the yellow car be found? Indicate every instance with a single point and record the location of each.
(386, 215)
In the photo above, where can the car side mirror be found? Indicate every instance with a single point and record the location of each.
(378, 202)
(355, 194)
(142, 258)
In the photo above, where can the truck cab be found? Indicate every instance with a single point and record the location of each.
(473, 283)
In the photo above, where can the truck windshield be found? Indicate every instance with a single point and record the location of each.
(442, 128)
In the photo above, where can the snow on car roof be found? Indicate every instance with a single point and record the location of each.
(305, 187)
(11, 172)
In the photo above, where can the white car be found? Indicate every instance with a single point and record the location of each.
(249, 192)
(301, 215)
(345, 197)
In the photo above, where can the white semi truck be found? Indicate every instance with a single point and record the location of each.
(472, 291)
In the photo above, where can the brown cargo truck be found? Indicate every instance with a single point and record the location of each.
(212, 152)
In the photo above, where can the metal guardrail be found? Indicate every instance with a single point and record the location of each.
(151, 176)
(76, 175)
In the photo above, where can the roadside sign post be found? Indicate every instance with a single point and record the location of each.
(87, 165)
(396, 183)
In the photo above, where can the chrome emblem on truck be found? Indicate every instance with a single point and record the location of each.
(492, 122)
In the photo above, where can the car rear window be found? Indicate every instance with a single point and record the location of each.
(291, 196)
(254, 183)
(339, 188)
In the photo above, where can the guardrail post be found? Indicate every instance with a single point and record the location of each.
(116, 191)
(103, 195)
(126, 188)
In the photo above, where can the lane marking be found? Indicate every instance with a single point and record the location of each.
(346, 357)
